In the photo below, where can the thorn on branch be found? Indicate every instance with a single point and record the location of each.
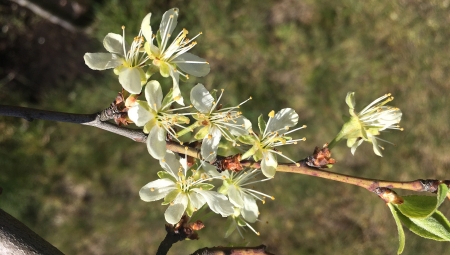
(321, 158)
(388, 195)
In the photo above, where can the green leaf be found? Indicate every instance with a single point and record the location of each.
(247, 139)
(261, 124)
(401, 233)
(423, 206)
(435, 227)
(436, 224)
(442, 193)
(418, 206)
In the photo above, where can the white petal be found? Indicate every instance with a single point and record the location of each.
(146, 28)
(191, 64)
(240, 127)
(176, 89)
(210, 144)
(156, 190)
(156, 142)
(139, 115)
(197, 200)
(269, 164)
(114, 43)
(217, 202)
(376, 148)
(356, 145)
(235, 196)
(130, 79)
(174, 213)
(212, 171)
(171, 163)
(102, 61)
(286, 117)
(176, 210)
(201, 99)
(153, 94)
(168, 24)
(250, 211)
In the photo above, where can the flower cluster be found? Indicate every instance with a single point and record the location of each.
(217, 130)
(129, 62)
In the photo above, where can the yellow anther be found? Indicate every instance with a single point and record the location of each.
(271, 114)
(123, 27)
(297, 164)
(152, 189)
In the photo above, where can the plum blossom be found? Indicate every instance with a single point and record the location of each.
(185, 190)
(173, 58)
(216, 121)
(272, 134)
(157, 118)
(126, 60)
(368, 123)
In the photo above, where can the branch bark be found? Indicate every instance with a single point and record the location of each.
(16, 238)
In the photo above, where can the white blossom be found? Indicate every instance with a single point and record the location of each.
(128, 61)
(184, 190)
(215, 121)
(173, 58)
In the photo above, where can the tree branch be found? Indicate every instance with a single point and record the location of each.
(93, 120)
(16, 238)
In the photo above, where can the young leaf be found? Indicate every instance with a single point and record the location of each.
(435, 227)
(442, 193)
(436, 224)
(418, 206)
(423, 206)
(401, 233)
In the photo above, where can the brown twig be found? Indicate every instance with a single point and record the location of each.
(306, 166)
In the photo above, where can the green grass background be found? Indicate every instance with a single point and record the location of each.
(78, 187)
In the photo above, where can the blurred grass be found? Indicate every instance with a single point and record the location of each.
(78, 186)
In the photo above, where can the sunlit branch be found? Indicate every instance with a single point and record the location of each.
(138, 136)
